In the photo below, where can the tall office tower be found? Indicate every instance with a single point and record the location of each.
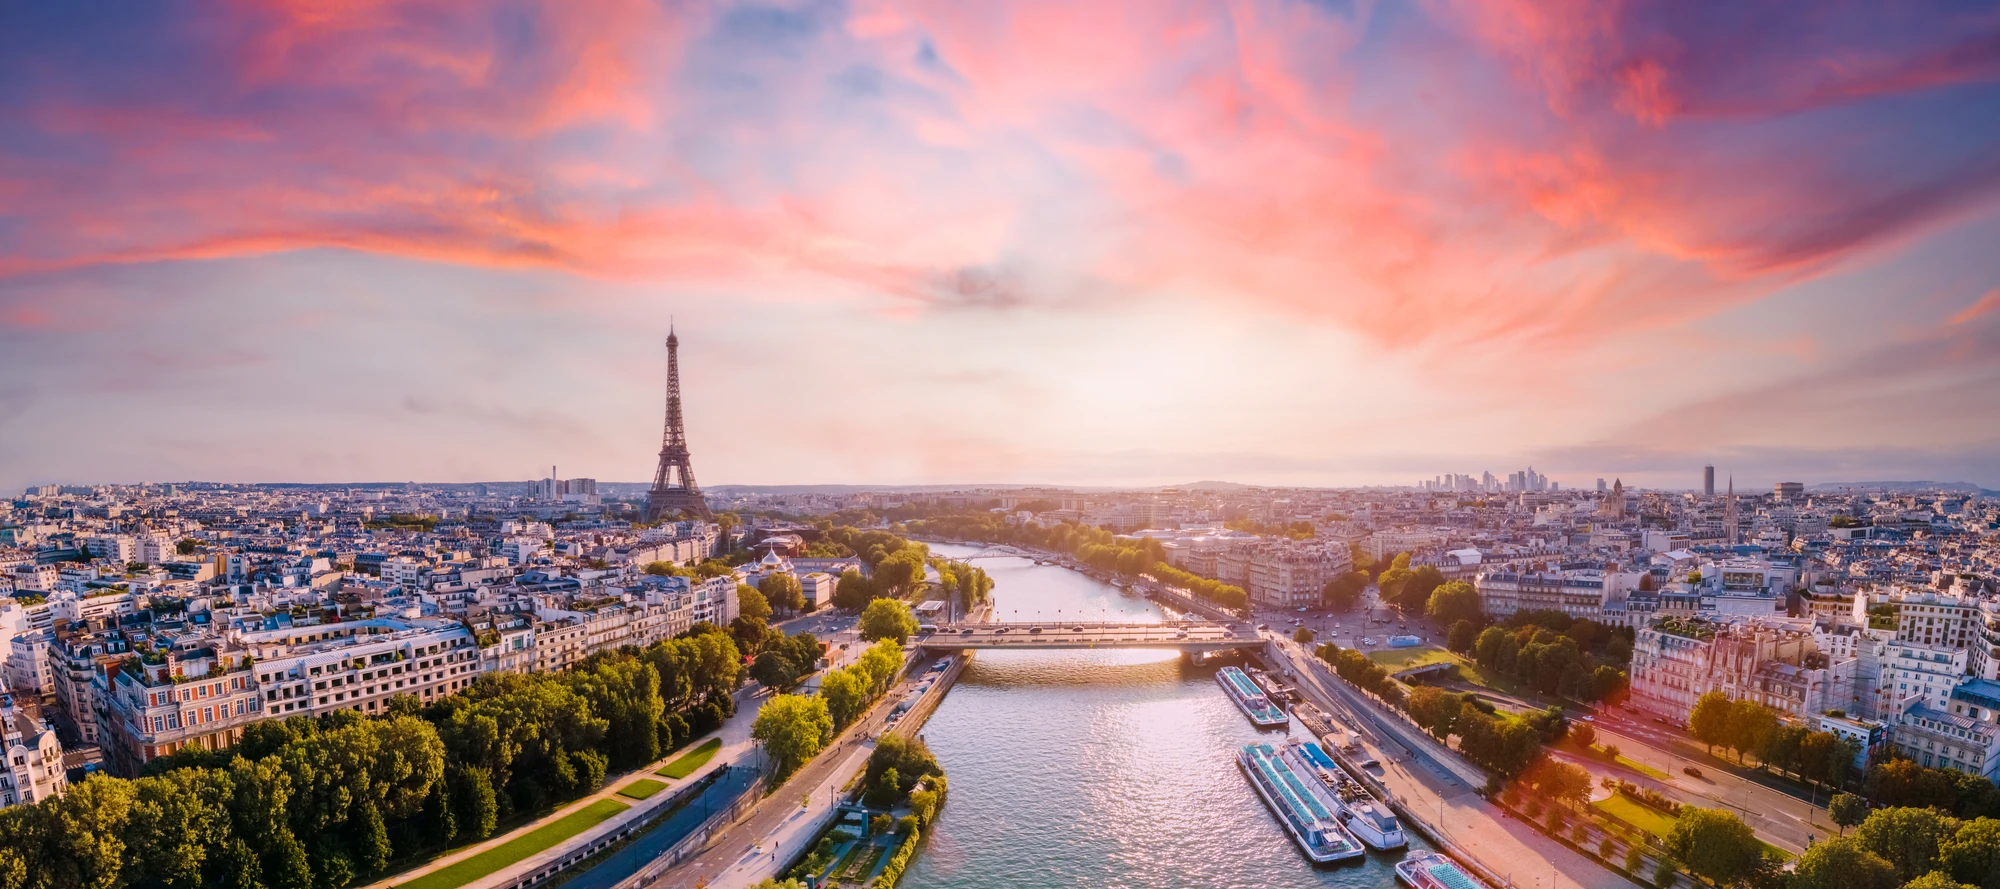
(1708, 481)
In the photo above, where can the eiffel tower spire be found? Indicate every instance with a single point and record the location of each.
(674, 490)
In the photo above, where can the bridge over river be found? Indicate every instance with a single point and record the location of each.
(1181, 635)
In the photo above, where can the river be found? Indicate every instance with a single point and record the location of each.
(1100, 769)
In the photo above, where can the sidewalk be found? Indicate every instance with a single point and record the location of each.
(794, 836)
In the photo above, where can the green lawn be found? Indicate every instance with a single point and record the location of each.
(691, 760)
(518, 848)
(1657, 823)
(1645, 818)
(1641, 768)
(1396, 659)
(643, 788)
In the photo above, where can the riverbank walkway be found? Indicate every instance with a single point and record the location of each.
(1436, 787)
(767, 839)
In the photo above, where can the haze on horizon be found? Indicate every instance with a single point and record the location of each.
(1286, 243)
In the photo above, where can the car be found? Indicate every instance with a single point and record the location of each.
(1076, 629)
(1589, 718)
(965, 632)
(1302, 610)
(1034, 629)
(999, 631)
(1263, 626)
(1692, 772)
(1181, 635)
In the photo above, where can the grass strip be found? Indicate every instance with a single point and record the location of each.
(1645, 818)
(644, 788)
(519, 848)
(691, 760)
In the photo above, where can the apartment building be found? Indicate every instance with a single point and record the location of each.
(1963, 734)
(34, 768)
(1676, 661)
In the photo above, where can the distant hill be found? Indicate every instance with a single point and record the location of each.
(1211, 485)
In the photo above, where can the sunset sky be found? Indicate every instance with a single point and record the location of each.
(1066, 242)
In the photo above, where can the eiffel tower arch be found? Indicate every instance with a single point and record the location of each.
(674, 490)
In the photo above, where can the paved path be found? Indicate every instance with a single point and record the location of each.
(679, 826)
(1429, 782)
(738, 847)
(794, 834)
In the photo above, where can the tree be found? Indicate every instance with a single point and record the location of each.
(793, 729)
(853, 591)
(749, 632)
(1461, 636)
(1847, 810)
(1708, 722)
(1842, 864)
(1454, 601)
(782, 591)
(774, 670)
(1392, 581)
(750, 603)
(663, 569)
(186, 546)
(887, 619)
(1937, 880)
(1302, 636)
(1715, 844)
(1907, 837)
(1972, 855)
(1584, 734)
(1342, 592)
(845, 695)
(1559, 782)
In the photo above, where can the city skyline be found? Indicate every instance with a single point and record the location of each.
(1273, 243)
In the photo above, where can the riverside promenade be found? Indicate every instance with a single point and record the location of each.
(782, 826)
(1435, 788)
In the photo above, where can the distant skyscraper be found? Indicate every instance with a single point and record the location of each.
(1600, 486)
(1708, 481)
(1729, 512)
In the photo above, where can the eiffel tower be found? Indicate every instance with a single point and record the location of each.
(674, 490)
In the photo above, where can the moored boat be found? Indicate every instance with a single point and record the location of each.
(1301, 804)
(1251, 699)
(1429, 870)
(1359, 811)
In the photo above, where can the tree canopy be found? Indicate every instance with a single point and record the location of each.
(887, 619)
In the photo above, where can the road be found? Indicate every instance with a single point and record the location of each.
(735, 852)
(1428, 779)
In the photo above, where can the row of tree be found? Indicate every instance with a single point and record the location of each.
(1093, 546)
(1551, 663)
(305, 803)
(1749, 727)
(1504, 745)
(795, 728)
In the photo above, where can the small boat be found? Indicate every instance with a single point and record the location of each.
(1429, 870)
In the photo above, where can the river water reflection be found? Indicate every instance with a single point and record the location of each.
(1113, 769)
